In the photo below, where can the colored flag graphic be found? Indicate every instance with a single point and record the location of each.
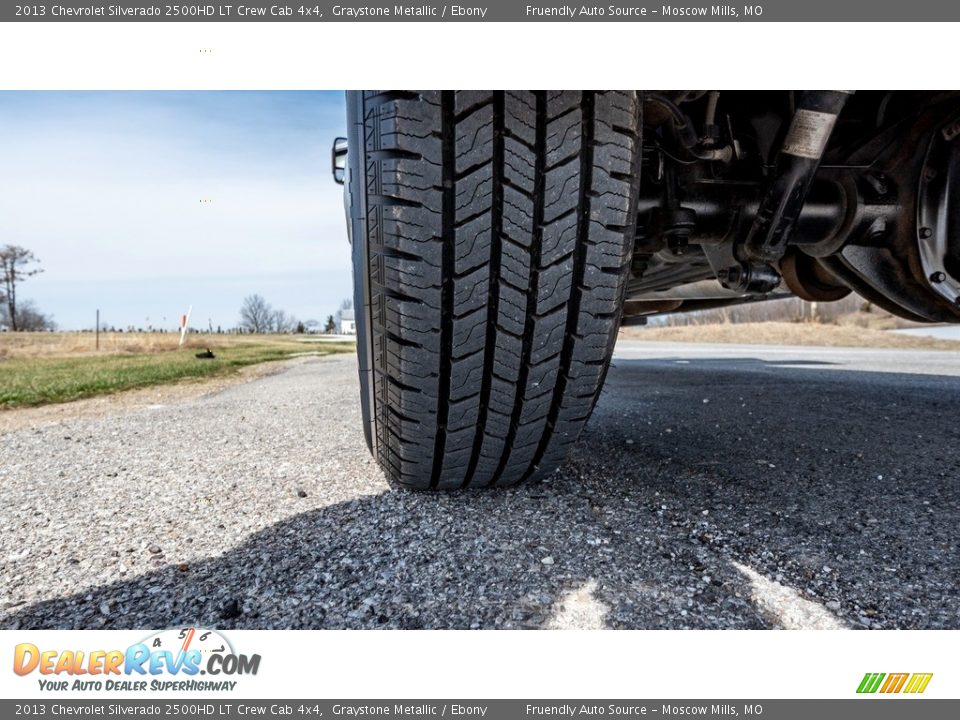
(914, 683)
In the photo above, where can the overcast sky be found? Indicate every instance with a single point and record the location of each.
(106, 189)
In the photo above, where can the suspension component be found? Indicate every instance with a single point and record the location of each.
(809, 280)
(880, 216)
(751, 278)
(938, 212)
(796, 166)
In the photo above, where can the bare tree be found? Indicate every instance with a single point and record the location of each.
(259, 316)
(29, 318)
(256, 315)
(282, 322)
(15, 262)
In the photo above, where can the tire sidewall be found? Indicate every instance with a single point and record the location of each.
(356, 209)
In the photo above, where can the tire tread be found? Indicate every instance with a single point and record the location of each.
(499, 229)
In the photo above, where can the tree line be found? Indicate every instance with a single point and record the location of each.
(259, 316)
(18, 264)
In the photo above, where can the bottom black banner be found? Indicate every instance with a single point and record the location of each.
(870, 708)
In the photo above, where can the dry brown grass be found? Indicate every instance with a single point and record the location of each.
(848, 334)
(17, 346)
(876, 320)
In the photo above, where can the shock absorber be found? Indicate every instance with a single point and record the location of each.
(796, 165)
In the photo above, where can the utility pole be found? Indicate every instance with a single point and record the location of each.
(98, 329)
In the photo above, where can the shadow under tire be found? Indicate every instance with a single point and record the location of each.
(492, 238)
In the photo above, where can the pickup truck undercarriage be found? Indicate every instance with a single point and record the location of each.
(727, 214)
(500, 239)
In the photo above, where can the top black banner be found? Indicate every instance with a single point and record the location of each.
(490, 11)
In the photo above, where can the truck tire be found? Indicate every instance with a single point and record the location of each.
(492, 237)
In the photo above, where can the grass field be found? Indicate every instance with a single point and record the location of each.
(42, 368)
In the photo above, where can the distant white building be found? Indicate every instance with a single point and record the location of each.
(348, 325)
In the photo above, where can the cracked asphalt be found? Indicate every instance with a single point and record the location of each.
(715, 487)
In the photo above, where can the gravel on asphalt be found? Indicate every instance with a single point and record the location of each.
(734, 493)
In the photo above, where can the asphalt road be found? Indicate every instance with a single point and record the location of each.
(715, 487)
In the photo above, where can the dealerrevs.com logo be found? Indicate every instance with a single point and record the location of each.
(168, 660)
(891, 683)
